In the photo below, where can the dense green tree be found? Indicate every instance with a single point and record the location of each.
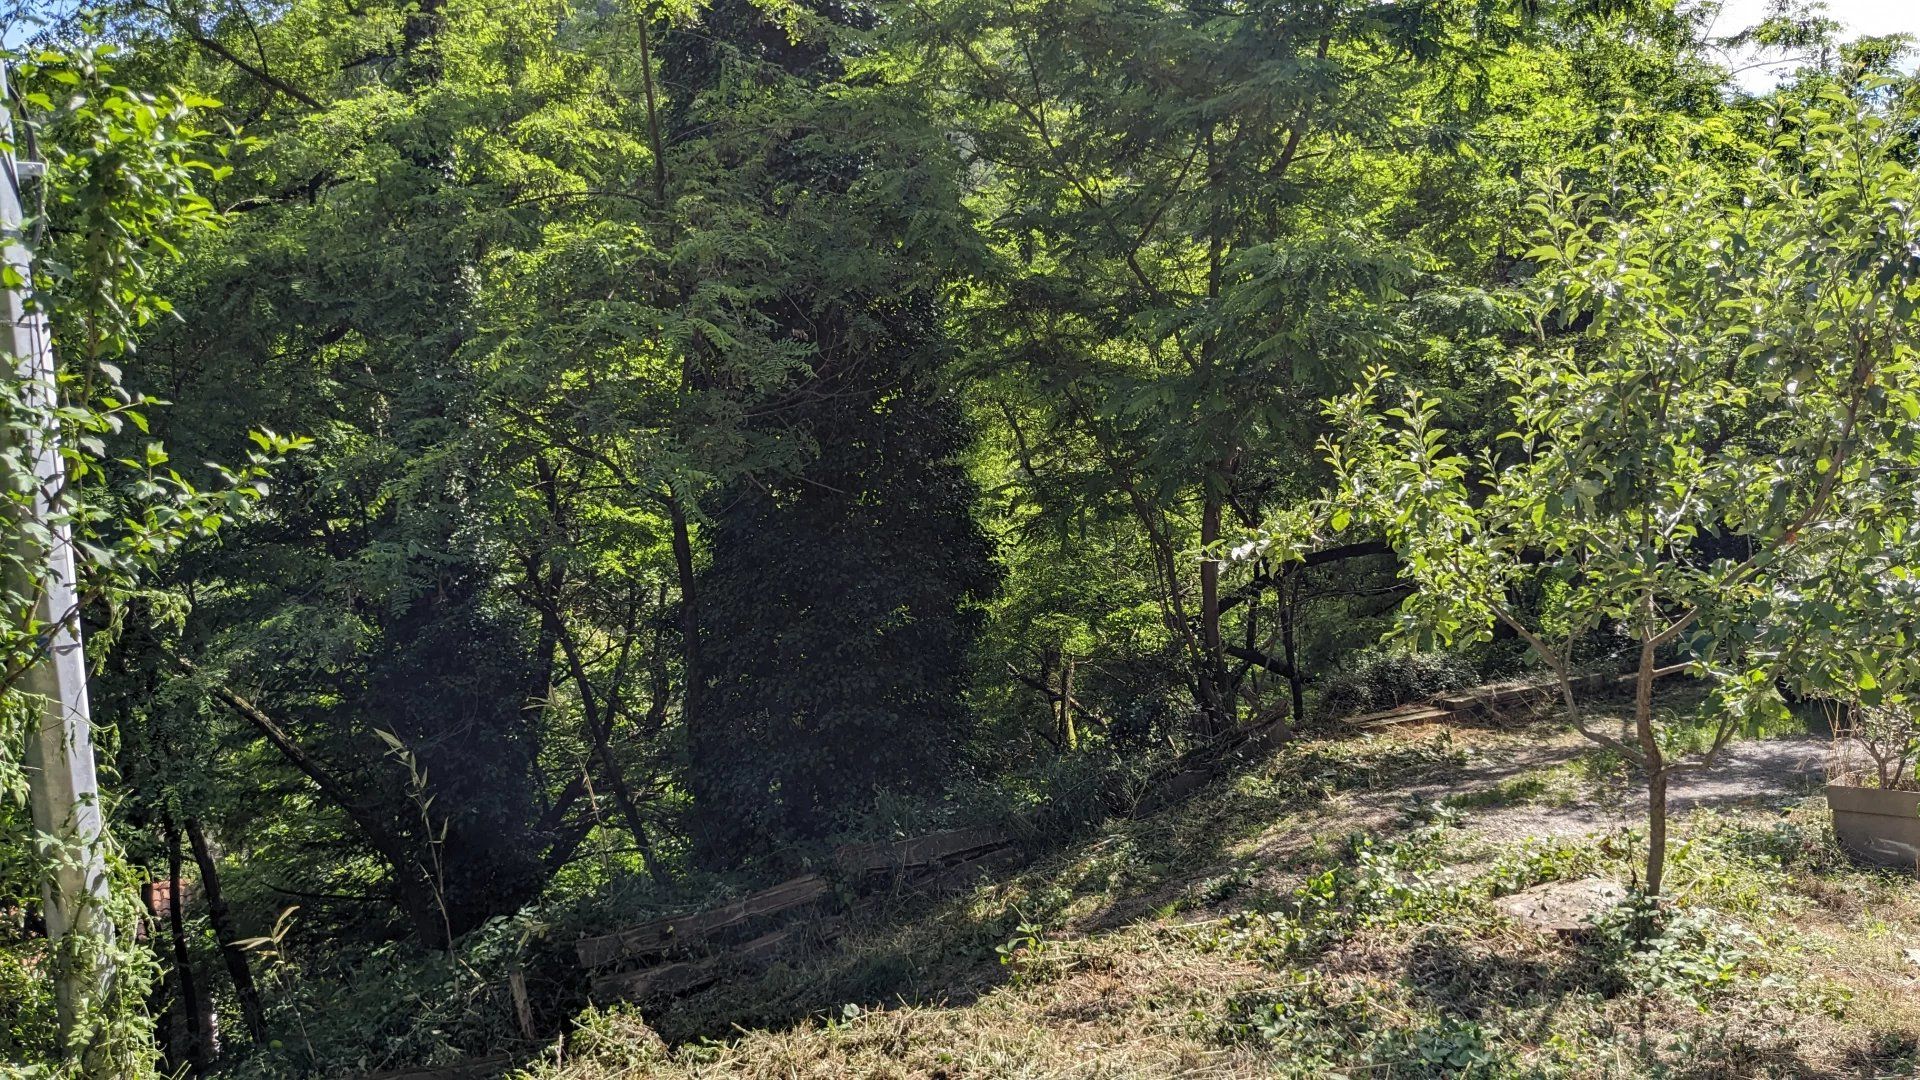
(738, 424)
(1202, 219)
(840, 610)
(839, 607)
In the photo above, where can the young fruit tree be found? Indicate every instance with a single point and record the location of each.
(1711, 439)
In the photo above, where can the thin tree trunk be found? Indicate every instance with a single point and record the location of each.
(1218, 702)
(599, 726)
(1654, 764)
(196, 1048)
(1214, 678)
(1210, 576)
(1053, 703)
(1296, 683)
(223, 932)
(1068, 736)
(1656, 830)
(689, 611)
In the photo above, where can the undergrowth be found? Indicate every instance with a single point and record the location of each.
(1385, 952)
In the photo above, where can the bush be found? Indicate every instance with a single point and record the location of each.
(1376, 679)
(27, 1031)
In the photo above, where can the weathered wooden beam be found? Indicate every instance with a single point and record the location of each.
(1404, 714)
(969, 871)
(663, 980)
(858, 860)
(661, 935)
(1499, 695)
(687, 976)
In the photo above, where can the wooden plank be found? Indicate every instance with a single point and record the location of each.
(687, 976)
(660, 935)
(969, 871)
(859, 860)
(664, 980)
(764, 947)
(1389, 715)
(1496, 695)
(1412, 716)
(1491, 695)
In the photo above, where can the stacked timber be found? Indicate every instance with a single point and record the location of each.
(1419, 712)
(933, 862)
(672, 978)
(1495, 699)
(680, 954)
(682, 932)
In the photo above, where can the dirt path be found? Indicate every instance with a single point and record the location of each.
(1761, 772)
(1541, 780)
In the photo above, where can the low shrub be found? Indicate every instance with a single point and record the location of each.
(1376, 679)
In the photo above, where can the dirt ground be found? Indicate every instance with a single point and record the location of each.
(1144, 958)
(1758, 772)
(1538, 777)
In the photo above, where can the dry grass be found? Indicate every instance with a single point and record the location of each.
(1172, 947)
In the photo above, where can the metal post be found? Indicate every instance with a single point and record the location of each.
(59, 753)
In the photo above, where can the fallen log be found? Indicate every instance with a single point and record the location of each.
(682, 931)
(683, 977)
(857, 861)
(1416, 713)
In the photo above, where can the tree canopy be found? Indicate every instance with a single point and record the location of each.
(714, 433)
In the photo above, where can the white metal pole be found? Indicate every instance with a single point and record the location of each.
(59, 753)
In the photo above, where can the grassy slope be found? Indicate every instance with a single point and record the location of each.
(1308, 919)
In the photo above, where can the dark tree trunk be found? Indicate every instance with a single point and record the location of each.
(1655, 763)
(1217, 703)
(1296, 683)
(223, 931)
(195, 1050)
(689, 612)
